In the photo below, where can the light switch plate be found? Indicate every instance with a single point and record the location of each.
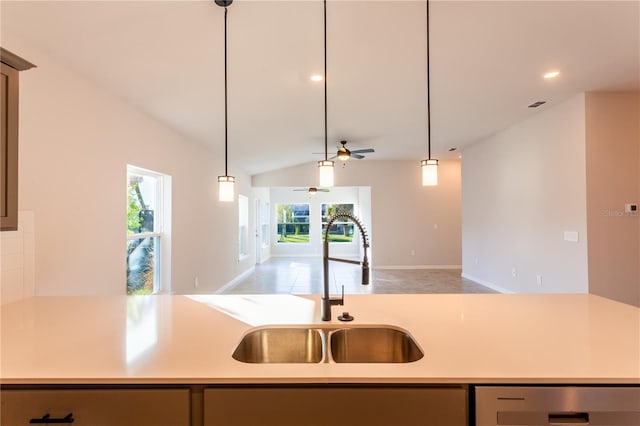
(571, 236)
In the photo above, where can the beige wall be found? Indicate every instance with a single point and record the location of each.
(613, 179)
(411, 225)
(522, 188)
(75, 142)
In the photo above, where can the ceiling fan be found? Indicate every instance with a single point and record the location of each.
(344, 153)
(312, 190)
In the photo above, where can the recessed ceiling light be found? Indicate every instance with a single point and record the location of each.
(316, 77)
(552, 74)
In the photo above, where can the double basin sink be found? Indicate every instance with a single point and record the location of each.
(323, 344)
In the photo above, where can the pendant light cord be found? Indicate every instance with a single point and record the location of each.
(325, 83)
(225, 91)
(428, 89)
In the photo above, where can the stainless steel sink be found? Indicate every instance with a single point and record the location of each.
(374, 344)
(308, 344)
(281, 345)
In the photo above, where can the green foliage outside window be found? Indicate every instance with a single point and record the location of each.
(141, 251)
(293, 223)
(342, 230)
(134, 221)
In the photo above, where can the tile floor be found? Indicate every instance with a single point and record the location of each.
(303, 275)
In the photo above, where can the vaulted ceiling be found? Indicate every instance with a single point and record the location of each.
(487, 60)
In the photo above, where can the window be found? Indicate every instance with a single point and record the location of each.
(342, 230)
(146, 229)
(265, 223)
(293, 223)
(243, 226)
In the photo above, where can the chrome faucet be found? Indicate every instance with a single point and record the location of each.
(327, 301)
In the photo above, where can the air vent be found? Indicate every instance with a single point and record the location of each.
(537, 104)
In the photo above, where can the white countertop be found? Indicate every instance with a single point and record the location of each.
(473, 338)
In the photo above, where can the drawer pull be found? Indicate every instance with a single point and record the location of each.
(568, 418)
(47, 419)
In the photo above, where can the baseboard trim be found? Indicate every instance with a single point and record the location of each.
(491, 285)
(235, 281)
(399, 267)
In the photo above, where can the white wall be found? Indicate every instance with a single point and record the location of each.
(521, 190)
(337, 195)
(75, 142)
(411, 226)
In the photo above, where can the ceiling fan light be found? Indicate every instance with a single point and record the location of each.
(325, 168)
(429, 172)
(226, 186)
(343, 155)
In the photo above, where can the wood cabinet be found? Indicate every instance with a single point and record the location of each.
(346, 405)
(96, 407)
(11, 64)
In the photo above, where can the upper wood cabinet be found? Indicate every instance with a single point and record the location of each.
(11, 65)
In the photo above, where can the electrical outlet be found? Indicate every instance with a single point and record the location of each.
(413, 252)
(476, 261)
(514, 272)
(539, 280)
(196, 282)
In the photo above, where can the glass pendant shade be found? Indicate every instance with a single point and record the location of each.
(326, 173)
(429, 172)
(226, 188)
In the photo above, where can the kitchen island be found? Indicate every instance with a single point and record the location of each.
(186, 342)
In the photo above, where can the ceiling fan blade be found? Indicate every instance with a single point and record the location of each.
(357, 156)
(362, 151)
(323, 190)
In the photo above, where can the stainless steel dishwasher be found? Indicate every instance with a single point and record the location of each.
(557, 405)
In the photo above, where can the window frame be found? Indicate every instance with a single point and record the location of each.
(277, 222)
(161, 225)
(354, 238)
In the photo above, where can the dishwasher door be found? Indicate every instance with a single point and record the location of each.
(561, 405)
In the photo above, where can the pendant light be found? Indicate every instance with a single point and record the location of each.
(325, 166)
(226, 183)
(430, 165)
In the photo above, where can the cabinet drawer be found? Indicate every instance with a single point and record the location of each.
(374, 406)
(89, 407)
